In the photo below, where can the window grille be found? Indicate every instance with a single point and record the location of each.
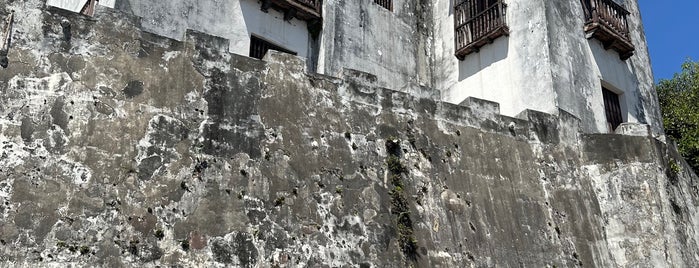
(387, 4)
(259, 47)
(612, 109)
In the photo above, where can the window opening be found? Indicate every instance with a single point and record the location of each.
(259, 47)
(387, 4)
(612, 109)
(6, 36)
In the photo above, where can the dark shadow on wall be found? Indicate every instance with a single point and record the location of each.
(489, 54)
(123, 5)
(314, 46)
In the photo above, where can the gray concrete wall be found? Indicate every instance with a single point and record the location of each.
(361, 35)
(123, 148)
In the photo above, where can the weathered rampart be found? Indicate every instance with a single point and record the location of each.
(121, 148)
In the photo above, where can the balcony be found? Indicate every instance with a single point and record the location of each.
(606, 21)
(478, 23)
(308, 10)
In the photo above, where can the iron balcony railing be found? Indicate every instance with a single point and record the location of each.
(477, 23)
(607, 21)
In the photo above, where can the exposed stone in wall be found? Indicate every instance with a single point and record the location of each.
(121, 148)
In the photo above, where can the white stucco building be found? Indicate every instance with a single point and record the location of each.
(551, 55)
(586, 57)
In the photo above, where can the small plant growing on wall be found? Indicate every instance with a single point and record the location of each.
(400, 207)
(673, 171)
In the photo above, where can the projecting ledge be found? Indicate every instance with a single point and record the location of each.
(634, 129)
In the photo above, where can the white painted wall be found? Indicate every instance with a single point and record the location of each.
(235, 20)
(108, 3)
(546, 63)
(618, 76)
(580, 67)
(512, 71)
(77, 5)
(250, 20)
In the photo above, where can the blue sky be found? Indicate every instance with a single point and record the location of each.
(672, 30)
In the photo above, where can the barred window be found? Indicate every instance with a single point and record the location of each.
(612, 109)
(387, 4)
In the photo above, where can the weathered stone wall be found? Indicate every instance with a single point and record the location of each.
(121, 148)
(546, 63)
(393, 45)
(355, 34)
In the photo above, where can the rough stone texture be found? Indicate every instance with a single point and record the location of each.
(393, 45)
(120, 148)
(546, 63)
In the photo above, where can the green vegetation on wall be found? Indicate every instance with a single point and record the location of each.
(679, 103)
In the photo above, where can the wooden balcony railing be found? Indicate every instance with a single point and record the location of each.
(606, 21)
(301, 9)
(477, 23)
